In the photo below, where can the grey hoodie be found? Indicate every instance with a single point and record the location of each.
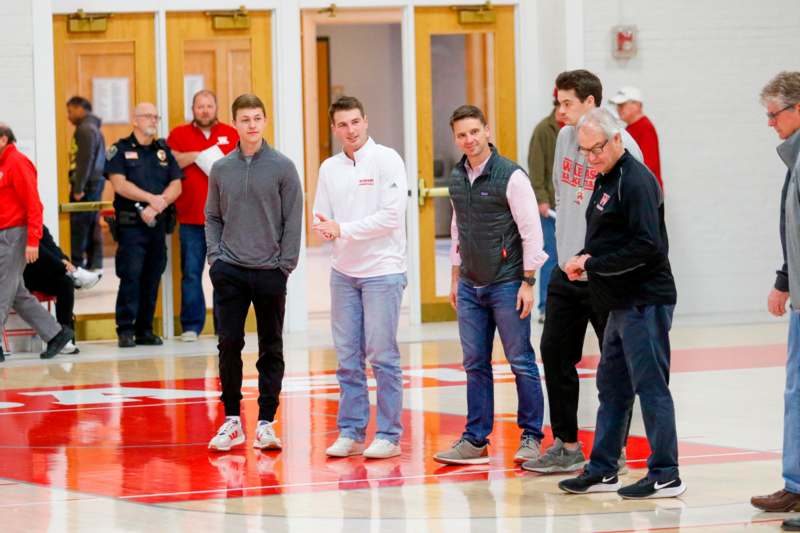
(569, 173)
(87, 155)
(789, 151)
(254, 211)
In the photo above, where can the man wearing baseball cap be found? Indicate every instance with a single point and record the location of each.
(629, 107)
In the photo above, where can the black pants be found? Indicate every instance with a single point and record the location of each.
(86, 235)
(140, 261)
(49, 276)
(235, 288)
(569, 312)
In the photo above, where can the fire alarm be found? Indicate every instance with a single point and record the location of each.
(624, 41)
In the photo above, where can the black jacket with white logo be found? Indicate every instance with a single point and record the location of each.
(627, 239)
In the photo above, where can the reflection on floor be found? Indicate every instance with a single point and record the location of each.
(102, 297)
(115, 440)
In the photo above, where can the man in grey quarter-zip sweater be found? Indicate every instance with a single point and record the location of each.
(253, 229)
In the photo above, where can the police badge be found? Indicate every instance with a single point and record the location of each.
(162, 155)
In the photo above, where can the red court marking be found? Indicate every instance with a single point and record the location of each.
(158, 453)
(709, 359)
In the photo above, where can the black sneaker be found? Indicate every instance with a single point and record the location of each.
(125, 340)
(650, 488)
(57, 343)
(149, 339)
(586, 483)
(791, 524)
(2, 355)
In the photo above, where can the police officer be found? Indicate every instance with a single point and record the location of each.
(146, 180)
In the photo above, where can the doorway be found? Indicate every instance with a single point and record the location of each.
(335, 63)
(228, 57)
(460, 59)
(113, 69)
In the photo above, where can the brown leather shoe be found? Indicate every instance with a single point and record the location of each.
(777, 502)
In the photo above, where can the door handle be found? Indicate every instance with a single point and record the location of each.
(431, 192)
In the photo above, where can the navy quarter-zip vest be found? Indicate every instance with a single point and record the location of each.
(488, 238)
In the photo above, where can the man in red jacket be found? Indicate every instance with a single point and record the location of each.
(20, 232)
(629, 107)
(195, 146)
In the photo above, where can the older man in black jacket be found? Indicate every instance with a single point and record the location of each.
(625, 256)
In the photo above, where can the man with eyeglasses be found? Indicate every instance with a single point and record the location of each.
(570, 308)
(626, 258)
(781, 97)
(146, 180)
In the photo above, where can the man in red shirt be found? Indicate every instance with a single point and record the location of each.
(629, 107)
(196, 146)
(20, 232)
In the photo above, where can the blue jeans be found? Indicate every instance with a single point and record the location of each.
(365, 313)
(635, 359)
(193, 261)
(480, 311)
(549, 232)
(791, 410)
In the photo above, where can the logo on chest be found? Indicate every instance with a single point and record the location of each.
(366, 182)
(601, 205)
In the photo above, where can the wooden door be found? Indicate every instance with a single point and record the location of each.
(456, 64)
(227, 62)
(114, 69)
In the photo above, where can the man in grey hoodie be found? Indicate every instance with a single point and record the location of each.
(87, 160)
(781, 97)
(569, 305)
(253, 229)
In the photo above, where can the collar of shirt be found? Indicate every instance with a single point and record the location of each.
(361, 154)
(473, 174)
(212, 130)
(789, 150)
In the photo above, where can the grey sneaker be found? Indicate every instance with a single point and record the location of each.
(622, 463)
(463, 453)
(557, 459)
(530, 449)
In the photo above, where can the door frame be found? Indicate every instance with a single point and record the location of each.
(313, 17)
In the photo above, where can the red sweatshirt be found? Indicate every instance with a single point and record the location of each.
(19, 195)
(644, 133)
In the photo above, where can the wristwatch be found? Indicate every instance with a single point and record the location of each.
(530, 280)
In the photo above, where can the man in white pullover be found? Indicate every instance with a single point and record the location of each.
(361, 205)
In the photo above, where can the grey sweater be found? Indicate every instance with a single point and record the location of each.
(789, 151)
(569, 176)
(254, 211)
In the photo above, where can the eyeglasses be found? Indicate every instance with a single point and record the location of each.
(597, 149)
(773, 116)
(149, 116)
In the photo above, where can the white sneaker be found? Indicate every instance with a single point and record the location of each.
(70, 348)
(345, 447)
(265, 437)
(382, 449)
(189, 336)
(83, 279)
(230, 434)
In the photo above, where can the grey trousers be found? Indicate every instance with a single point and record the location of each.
(12, 287)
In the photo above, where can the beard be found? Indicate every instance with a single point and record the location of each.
(205, 123)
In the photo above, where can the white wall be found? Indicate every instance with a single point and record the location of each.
(16, 69)
(367, 61)
(701, 65)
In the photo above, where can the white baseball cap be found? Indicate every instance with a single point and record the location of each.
(626, 94)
